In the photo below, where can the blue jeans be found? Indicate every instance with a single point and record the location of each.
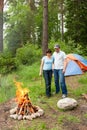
(48, 77)
(60, 81)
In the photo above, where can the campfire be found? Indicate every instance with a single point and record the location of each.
(24, 109)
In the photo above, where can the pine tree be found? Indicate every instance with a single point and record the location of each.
(76, 20)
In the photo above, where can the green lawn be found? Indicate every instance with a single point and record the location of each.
(29, 76)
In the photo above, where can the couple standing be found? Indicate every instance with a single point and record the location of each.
(54, 63)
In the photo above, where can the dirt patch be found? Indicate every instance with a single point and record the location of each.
(51, 116)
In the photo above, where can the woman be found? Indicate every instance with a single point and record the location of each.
(46, 68)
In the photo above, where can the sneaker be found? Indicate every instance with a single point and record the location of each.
(64, 96)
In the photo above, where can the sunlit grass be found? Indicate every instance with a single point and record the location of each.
(29, 76)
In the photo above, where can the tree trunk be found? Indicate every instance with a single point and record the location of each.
(1, 25)
(32, 4)
(45, 27)
(62, 21)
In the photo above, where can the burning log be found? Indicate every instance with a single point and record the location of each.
(25, 109)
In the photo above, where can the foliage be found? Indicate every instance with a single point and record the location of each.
(38, 21)
(27, 17)
(28, 54)
(69, 47)
(76, 21)
(19, 25)
(8, 63)
(54, 23)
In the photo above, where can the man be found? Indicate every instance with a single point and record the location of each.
(59, 70)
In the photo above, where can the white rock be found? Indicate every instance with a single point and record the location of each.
(37, 114)
(28, 117)
(33, 115)
(14, 116)
(41, 112)
(13, 111)
(67, 103)
(24, 117)
(20, 117)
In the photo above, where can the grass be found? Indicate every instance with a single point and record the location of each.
(7, 88)
(68, 118)
(40, 126)
(73, 119)
(85, 115)
(79, 91)
(29, 76)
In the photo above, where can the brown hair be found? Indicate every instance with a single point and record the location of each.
(48, 51)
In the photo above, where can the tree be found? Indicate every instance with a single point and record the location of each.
(1, 25)
(45, 27)
(61, 11)
(76, 21)
(20, 25)
(54, 22)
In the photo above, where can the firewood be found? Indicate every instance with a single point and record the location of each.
(36, 108)
(30, 109)
(25, 110)
(21, 108)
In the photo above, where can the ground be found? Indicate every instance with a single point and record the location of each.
(53, 118)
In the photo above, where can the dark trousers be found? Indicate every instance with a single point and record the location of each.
(48, 77)
(60, 81)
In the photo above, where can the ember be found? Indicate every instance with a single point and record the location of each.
(24, 109)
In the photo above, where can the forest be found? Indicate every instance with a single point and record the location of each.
(27, 29)
(40, 24)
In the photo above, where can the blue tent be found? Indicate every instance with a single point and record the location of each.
(76, 65)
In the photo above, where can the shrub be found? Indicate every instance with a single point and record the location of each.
(69, 47)
(28, 54)
(7, 63)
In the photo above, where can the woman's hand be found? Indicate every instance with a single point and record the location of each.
(40, 74)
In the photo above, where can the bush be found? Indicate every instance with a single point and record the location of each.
(7, 63)
(69, 47)
(28, 54)
(62, 44)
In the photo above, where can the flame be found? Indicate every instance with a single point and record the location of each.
(20, 92)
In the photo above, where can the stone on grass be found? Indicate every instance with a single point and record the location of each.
(67, 103)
